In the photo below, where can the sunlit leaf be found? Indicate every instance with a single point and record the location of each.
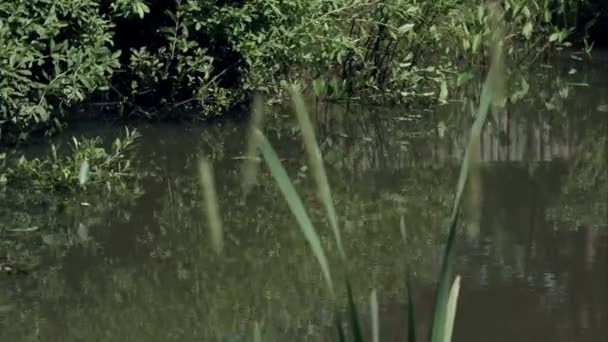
(527, 30)
(83, 174)
(405, 28)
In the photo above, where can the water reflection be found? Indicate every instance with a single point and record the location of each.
(533, 253)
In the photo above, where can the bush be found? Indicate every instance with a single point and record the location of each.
(140, 56)
(54, 54)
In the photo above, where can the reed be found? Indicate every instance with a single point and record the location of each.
(448, 287)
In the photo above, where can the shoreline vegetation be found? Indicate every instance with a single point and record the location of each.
(197, 59)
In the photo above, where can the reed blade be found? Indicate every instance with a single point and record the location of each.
(250, 166)
(451, 310)
(257, 332)
(354, 316)
(211, 206)
(316, 165)
(373, 303)
(491, 90)
(295, 205)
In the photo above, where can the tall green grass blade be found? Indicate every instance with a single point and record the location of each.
(441, 296)
(257, 332)
(316, 165)
(249, 169)
(487, 97)
(354, 316)
(451, 310)
(295, 205)
(492, 88)
(411, 311)
(373, 303)
(211, 206)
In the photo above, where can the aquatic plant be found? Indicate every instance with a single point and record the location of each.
(88, 164)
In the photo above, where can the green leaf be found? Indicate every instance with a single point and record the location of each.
(316, 165)
(319, 87)
(490, 90)
(476, 43)
(553, 37)
(23, 230)
(257, 332)
(464, 78)
(211, 205)
(373, 303)
(527, 30)
(443, 93)
(141, 9)
(83, 174)
(403, 29)
(441, 296)
(451, 310)
(295, 205)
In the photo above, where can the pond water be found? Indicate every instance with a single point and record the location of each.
(532, 250)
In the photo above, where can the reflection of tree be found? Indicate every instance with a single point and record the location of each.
(151, 275)
(147, 273)
(522, 261)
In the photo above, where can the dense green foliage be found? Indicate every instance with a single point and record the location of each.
(135, 56)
